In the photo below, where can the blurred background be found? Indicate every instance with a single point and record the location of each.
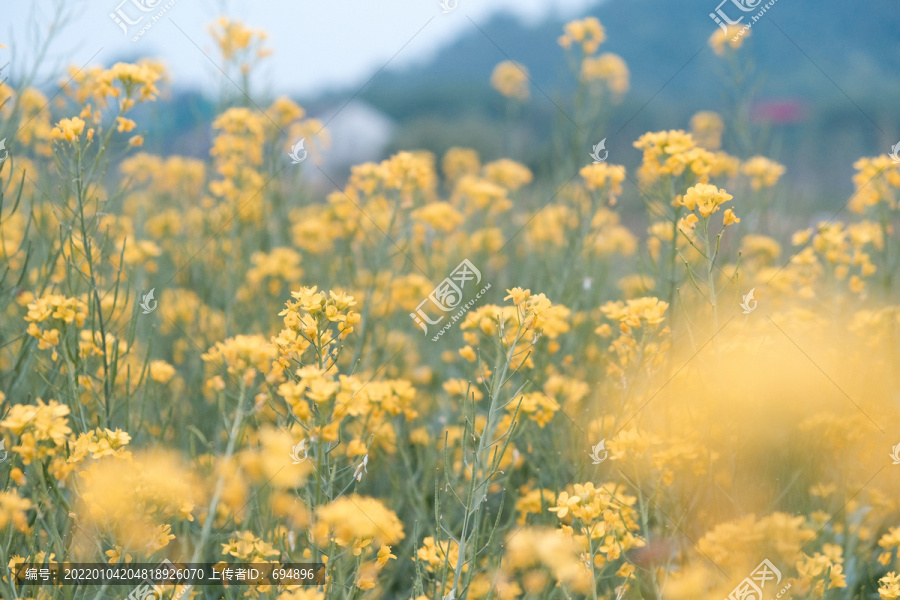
(819, 81)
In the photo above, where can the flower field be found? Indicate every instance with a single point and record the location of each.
(451, 376)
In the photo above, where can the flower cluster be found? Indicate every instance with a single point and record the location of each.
(42, 429)
(518, 327)
(640, 343)
(511, 79)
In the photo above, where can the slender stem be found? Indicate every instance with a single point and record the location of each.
(710, 277)
(479, 458)
(220, 484)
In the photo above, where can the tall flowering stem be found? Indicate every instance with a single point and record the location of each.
(513, 332)
(704, 200)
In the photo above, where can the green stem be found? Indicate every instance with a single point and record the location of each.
(479, 457)
(220, 484)
(710, 277)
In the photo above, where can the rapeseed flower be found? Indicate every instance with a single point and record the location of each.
(733, 36)
(511, 79)
(587, 33)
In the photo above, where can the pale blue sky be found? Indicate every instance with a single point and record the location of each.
(318, 44)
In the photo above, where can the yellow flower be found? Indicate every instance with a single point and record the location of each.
(461, 387)
(272, 271)
(518, 296)
(115, 555)
(508, 173)
(729, 541)
(511, 79)
(356, 518)
(161, 371)
(246, 545)
(243, 355)
(124, 124)
(706, 198)
(609, 68)
(634, 312)
(439, 215)
(636, 285)
(890, 586)
(607, 235)
(532, 502)
(43, 428)
(285, 111)
(555, 550)
(563, 504)
(460, 161)
(729, 218)
(673, 153)
(707, 128)
(134, 498)
(477, 193)
(356, 448)
(733, 35)
(875, 182)
(384, 555)
(233, 38)
(587, 33)
(688, 222)
(762, 172)
(367, 581)
(801, 238)
(468, 353)
(68, 129)
(18, 476)
(12, 510)
(98, 443)
(604, 175)
(537, 406)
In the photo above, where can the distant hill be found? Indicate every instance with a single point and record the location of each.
(840, 62)
(858, 49)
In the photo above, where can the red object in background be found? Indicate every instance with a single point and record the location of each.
(778, 112)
